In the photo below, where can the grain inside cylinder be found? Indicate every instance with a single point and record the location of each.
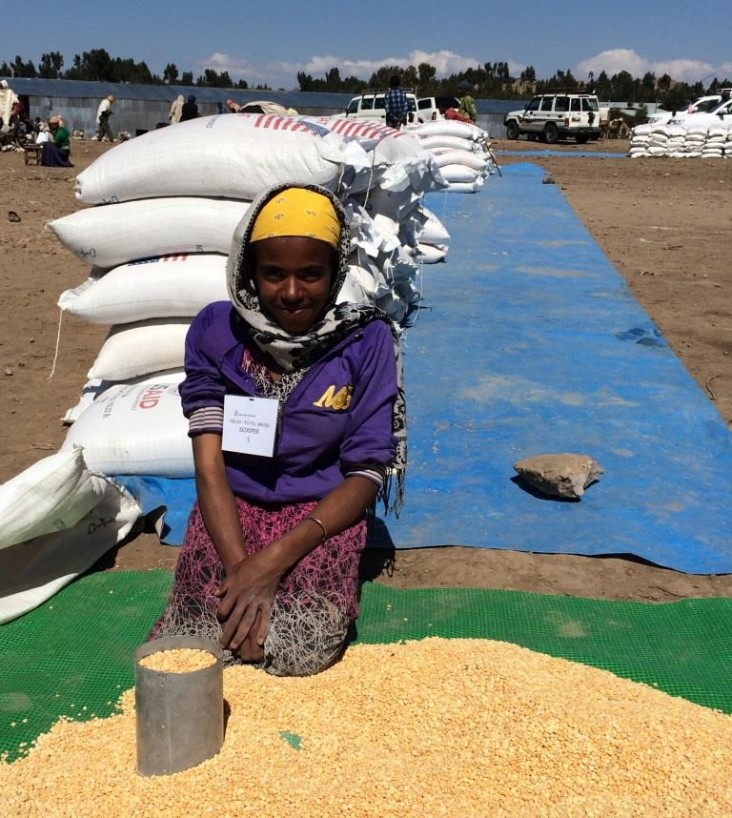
(178, 660)
(465, 728)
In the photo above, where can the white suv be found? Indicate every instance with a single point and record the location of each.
(371, 107)
(551, 117)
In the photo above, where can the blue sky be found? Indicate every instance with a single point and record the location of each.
(269, 42)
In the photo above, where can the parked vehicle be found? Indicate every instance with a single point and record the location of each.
(370, 106)
(721, 114)
(704, 105)
(429, 108)
(551, 117)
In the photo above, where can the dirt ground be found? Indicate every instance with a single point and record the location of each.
(664, 223)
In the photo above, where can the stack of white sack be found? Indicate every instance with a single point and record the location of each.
(461, 151)
(59, 518)
(714, 147)
(689, 139)
(159, 244)
(385, 214)
(402, 172)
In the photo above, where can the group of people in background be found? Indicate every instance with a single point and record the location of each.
(182, 109)
(397, 111)
(17, 130)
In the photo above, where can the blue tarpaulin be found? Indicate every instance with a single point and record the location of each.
(529, 342)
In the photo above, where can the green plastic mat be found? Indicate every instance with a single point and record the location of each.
(73, 655)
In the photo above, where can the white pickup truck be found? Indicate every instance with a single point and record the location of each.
(370, 106)
(704, 105)
(429, 108)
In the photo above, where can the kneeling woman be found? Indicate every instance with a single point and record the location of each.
(296, 413)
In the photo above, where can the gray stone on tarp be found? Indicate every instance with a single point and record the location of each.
(559, 475)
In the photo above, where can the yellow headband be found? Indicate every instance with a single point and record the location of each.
(298, 212)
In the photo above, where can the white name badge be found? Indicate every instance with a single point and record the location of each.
(250, 425)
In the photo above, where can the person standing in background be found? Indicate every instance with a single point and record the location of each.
(176, 109)
(190, 109)
(395, 103)
(104, 111)
(467, 103)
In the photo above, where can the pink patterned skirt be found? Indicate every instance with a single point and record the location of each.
(314, 605)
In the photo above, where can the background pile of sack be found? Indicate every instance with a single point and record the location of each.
(461, 151)
(682, 140)
(166, 206)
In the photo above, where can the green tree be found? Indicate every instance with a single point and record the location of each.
(381, 77)
(186, 78)
(50, 65)
(170, 74)
(19, 68)
(623, 87)
(603, 86)
(92, 65)
(304, 81)
(426, 74)
(332, 80)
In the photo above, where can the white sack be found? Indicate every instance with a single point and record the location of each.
(142, 347)
(32, 572)
(135, 429)
(95, 387)
(451, 156)
(168, 287)
(236, 156)
(466, 187)
(459, 143)
(449, 127)
(430, 253)
(459, 173)
(434, 231)
(110, 235)
(51, 495)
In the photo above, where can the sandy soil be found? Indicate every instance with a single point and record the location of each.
(663, 223)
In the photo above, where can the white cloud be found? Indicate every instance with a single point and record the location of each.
(237, 67)
(281, 74)
(625, 59)
(446, 62)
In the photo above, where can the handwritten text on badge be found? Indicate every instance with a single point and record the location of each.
(250, 425)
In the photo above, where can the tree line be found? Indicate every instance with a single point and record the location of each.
(99, 66)
(489, 81)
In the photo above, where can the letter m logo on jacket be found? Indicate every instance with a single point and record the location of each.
(330, 399)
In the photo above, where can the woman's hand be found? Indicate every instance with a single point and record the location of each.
(246, 596)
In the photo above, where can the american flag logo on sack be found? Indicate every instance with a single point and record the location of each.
(287, 123)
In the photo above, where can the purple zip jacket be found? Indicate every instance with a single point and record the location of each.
(337, 418)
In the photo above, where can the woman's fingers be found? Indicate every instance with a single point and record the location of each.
(226, 605)
(250, 651)
(238, 626)
(261, 625)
